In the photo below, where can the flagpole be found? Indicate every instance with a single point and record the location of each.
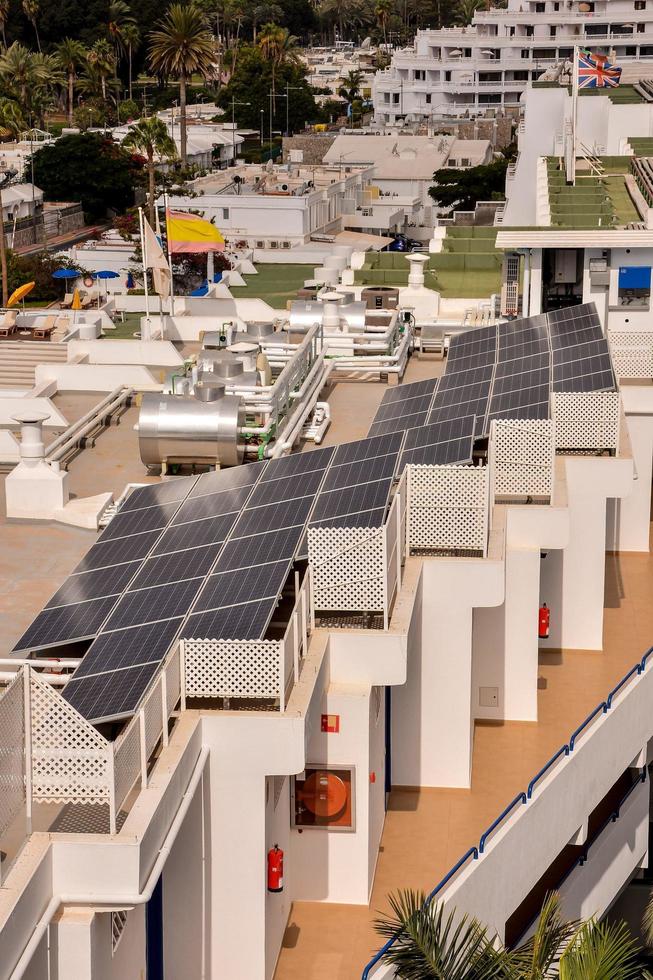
(141, 219)
(172, 277)
(574, 116)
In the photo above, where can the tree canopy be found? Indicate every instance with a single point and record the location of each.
(89, 167)
(461, 189)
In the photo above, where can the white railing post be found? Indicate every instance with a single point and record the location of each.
(398, 540)
(311, 597)
(164, 706)
(304, 595)
(27, 708)
(111, 776)
(141, 728)
(295, 643)
(182, 674)
(282, 676)
(386, 571)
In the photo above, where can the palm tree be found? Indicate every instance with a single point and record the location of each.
(466, 10)
(382, 12)
(102, 59)
(118, 18)
(350, 89)
(262, 13)
(429, 946)
(277, 45)
(31, 10)
(71, 56)
(12, 120)
(28, 78)
(150, 137)
(181, 46)
(132, 38)
(4, 17)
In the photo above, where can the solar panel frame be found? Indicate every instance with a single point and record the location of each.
(233, 587)
(95, 584)
(155, 494)
(246, 621)
(140, 606)
(440, 443)
(65, 624)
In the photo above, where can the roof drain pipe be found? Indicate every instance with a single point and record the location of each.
(117, 901)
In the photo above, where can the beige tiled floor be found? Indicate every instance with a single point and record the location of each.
(425, 833)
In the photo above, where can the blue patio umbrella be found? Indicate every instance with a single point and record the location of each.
(107, 274)
(66, 274)
(130, 281)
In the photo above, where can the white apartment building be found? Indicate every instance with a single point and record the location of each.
(265, 207)
(490, 63)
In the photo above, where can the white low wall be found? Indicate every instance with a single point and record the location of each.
(157, 353)
(97, 377)
(9, 407)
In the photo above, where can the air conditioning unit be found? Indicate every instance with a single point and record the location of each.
(274, 244)
(285, 244)
(259, 245)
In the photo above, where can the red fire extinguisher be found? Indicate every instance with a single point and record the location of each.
(275, 869)
(544, 620)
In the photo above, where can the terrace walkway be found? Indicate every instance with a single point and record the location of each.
(427, 831)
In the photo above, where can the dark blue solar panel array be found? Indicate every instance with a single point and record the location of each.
(209, 556)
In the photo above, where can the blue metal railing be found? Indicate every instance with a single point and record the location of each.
(564, 749)
(522, 798)
(472, 852)
(600, 709)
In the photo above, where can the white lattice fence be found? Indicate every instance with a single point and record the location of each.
(587, 419)
(348, 568)
(70, 759)
(632, 353)
(448, 508)
(12, 752)
(522, 457)
(232, 668)
(127, 761)
(173, 681)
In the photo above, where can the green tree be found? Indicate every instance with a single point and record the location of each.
(88, 167)
(102, 61)
(278, 48)
(150, 138)
(382, 12)
(71, 56)
(31, 9)
(465, 11)
(30, 79)
(461, 189)
(181, 47)
(12, 121)
(132, 38)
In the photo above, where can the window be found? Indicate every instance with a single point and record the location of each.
(427, 98)
(556, 5)
(540, 8)
(552, 32)
(529, 30)
(419, 76)
(465, 162)
(525, 53)
(635, 286)
(395, 98)
(225, 214)
(367, 212)
(641, 28)
(640, 4)
(631, 52)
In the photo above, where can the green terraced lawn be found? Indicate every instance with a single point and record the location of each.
(275, 283)
(622, 202)
(477, 284)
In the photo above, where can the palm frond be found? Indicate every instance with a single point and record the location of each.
(600, 951)
(538, 956)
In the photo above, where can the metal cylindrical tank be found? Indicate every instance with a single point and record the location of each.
(173, 429)
(380, 297)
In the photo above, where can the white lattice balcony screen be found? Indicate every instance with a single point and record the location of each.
(12, 753)
(249, 668)
(348, 568)
(70, 759)
(587, 420)
(448, 508)
(522, 457)
(632, 353)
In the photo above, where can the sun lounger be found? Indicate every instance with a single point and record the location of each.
(8, 323)
(44, 328)
(67, 301)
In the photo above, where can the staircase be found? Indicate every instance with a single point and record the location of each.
(18, 360)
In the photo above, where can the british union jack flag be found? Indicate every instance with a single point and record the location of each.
(595, 71)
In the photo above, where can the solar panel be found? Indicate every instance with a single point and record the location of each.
(585, 367)
(94, 584)
(65, 624)
(231, 479)
(231, 588)
(118, 669)
(461, 395)
(106, 553)
(260, 548)
(272, 517)
(176, 567)
(212, 530)
(398, 409)
(351, 500)
(522, 338)
(352, 452)
(158, 493)
(136, 521)
(397, 425)
(151, 605)
(574, 325)
(521, 389)
(440, 443)
(351, 474)
(244, 622)
(400, 393)
(212, 505)
(476, 341)
(466, 362)
(299, 464)
(285, 488)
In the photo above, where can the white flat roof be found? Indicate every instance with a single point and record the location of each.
(571, 238)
